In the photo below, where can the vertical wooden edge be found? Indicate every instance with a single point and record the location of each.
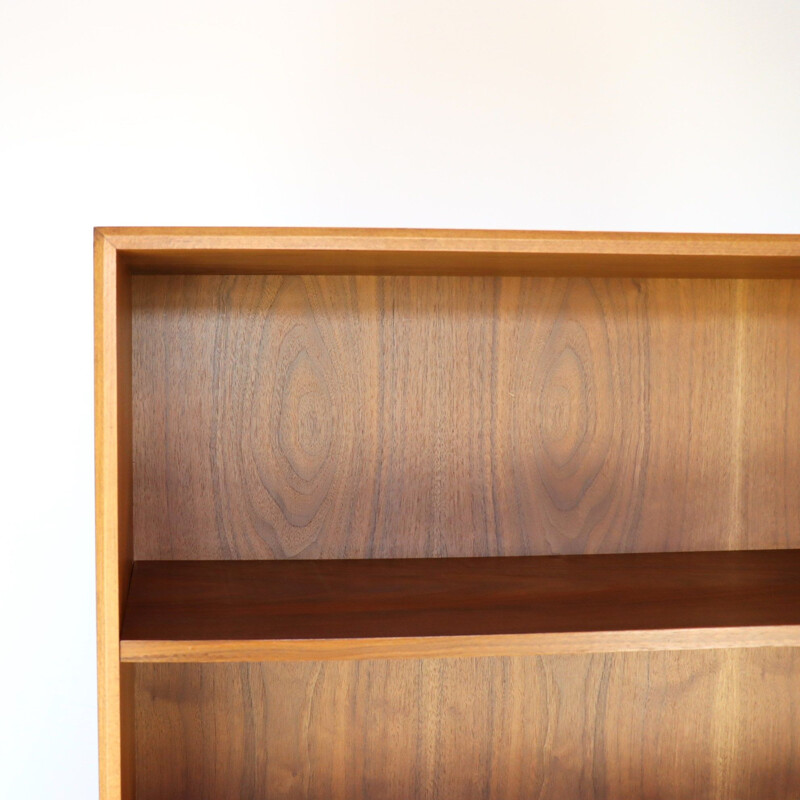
(124, 564)
(114, 551)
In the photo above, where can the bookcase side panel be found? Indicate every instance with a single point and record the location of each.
(114, 523)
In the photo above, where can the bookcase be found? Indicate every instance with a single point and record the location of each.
(400, 514)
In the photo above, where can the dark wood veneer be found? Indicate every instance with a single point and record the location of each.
(264, 602)
(399, 417)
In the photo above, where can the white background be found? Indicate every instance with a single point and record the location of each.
(675, 115)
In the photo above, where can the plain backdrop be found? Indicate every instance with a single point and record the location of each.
(676, 115)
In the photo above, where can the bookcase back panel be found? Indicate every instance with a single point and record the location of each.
(687, 726)
(335, 416)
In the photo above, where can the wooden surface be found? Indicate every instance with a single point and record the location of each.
(554, 395)
(365, 417)
(708, 725)
(211, 651)
(114, 543)
(375, 251)
(405, 608)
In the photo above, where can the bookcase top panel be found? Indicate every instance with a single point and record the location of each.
(408, 251)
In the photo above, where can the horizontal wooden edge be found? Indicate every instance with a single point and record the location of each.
(535, 644)
(157, 240)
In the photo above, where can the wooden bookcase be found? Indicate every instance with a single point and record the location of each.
(392, 514)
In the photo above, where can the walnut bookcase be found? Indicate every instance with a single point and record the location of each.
(447, 514)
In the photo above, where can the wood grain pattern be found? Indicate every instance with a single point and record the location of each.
(379, 417)
(114, 513)
(225, 650)
(454, 252)
(710, 725)
(289, 394)
(770, 414)
(408, 606)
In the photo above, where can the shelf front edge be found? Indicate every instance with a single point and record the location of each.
(144, 651)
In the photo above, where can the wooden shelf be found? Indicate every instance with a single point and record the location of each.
(514, 400)
(403, 608)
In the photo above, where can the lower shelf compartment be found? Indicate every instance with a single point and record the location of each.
(410, 608)
(690, 725)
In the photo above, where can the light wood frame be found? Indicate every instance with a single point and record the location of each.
(123, 252)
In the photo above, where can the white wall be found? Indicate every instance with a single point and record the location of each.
(674, 115)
